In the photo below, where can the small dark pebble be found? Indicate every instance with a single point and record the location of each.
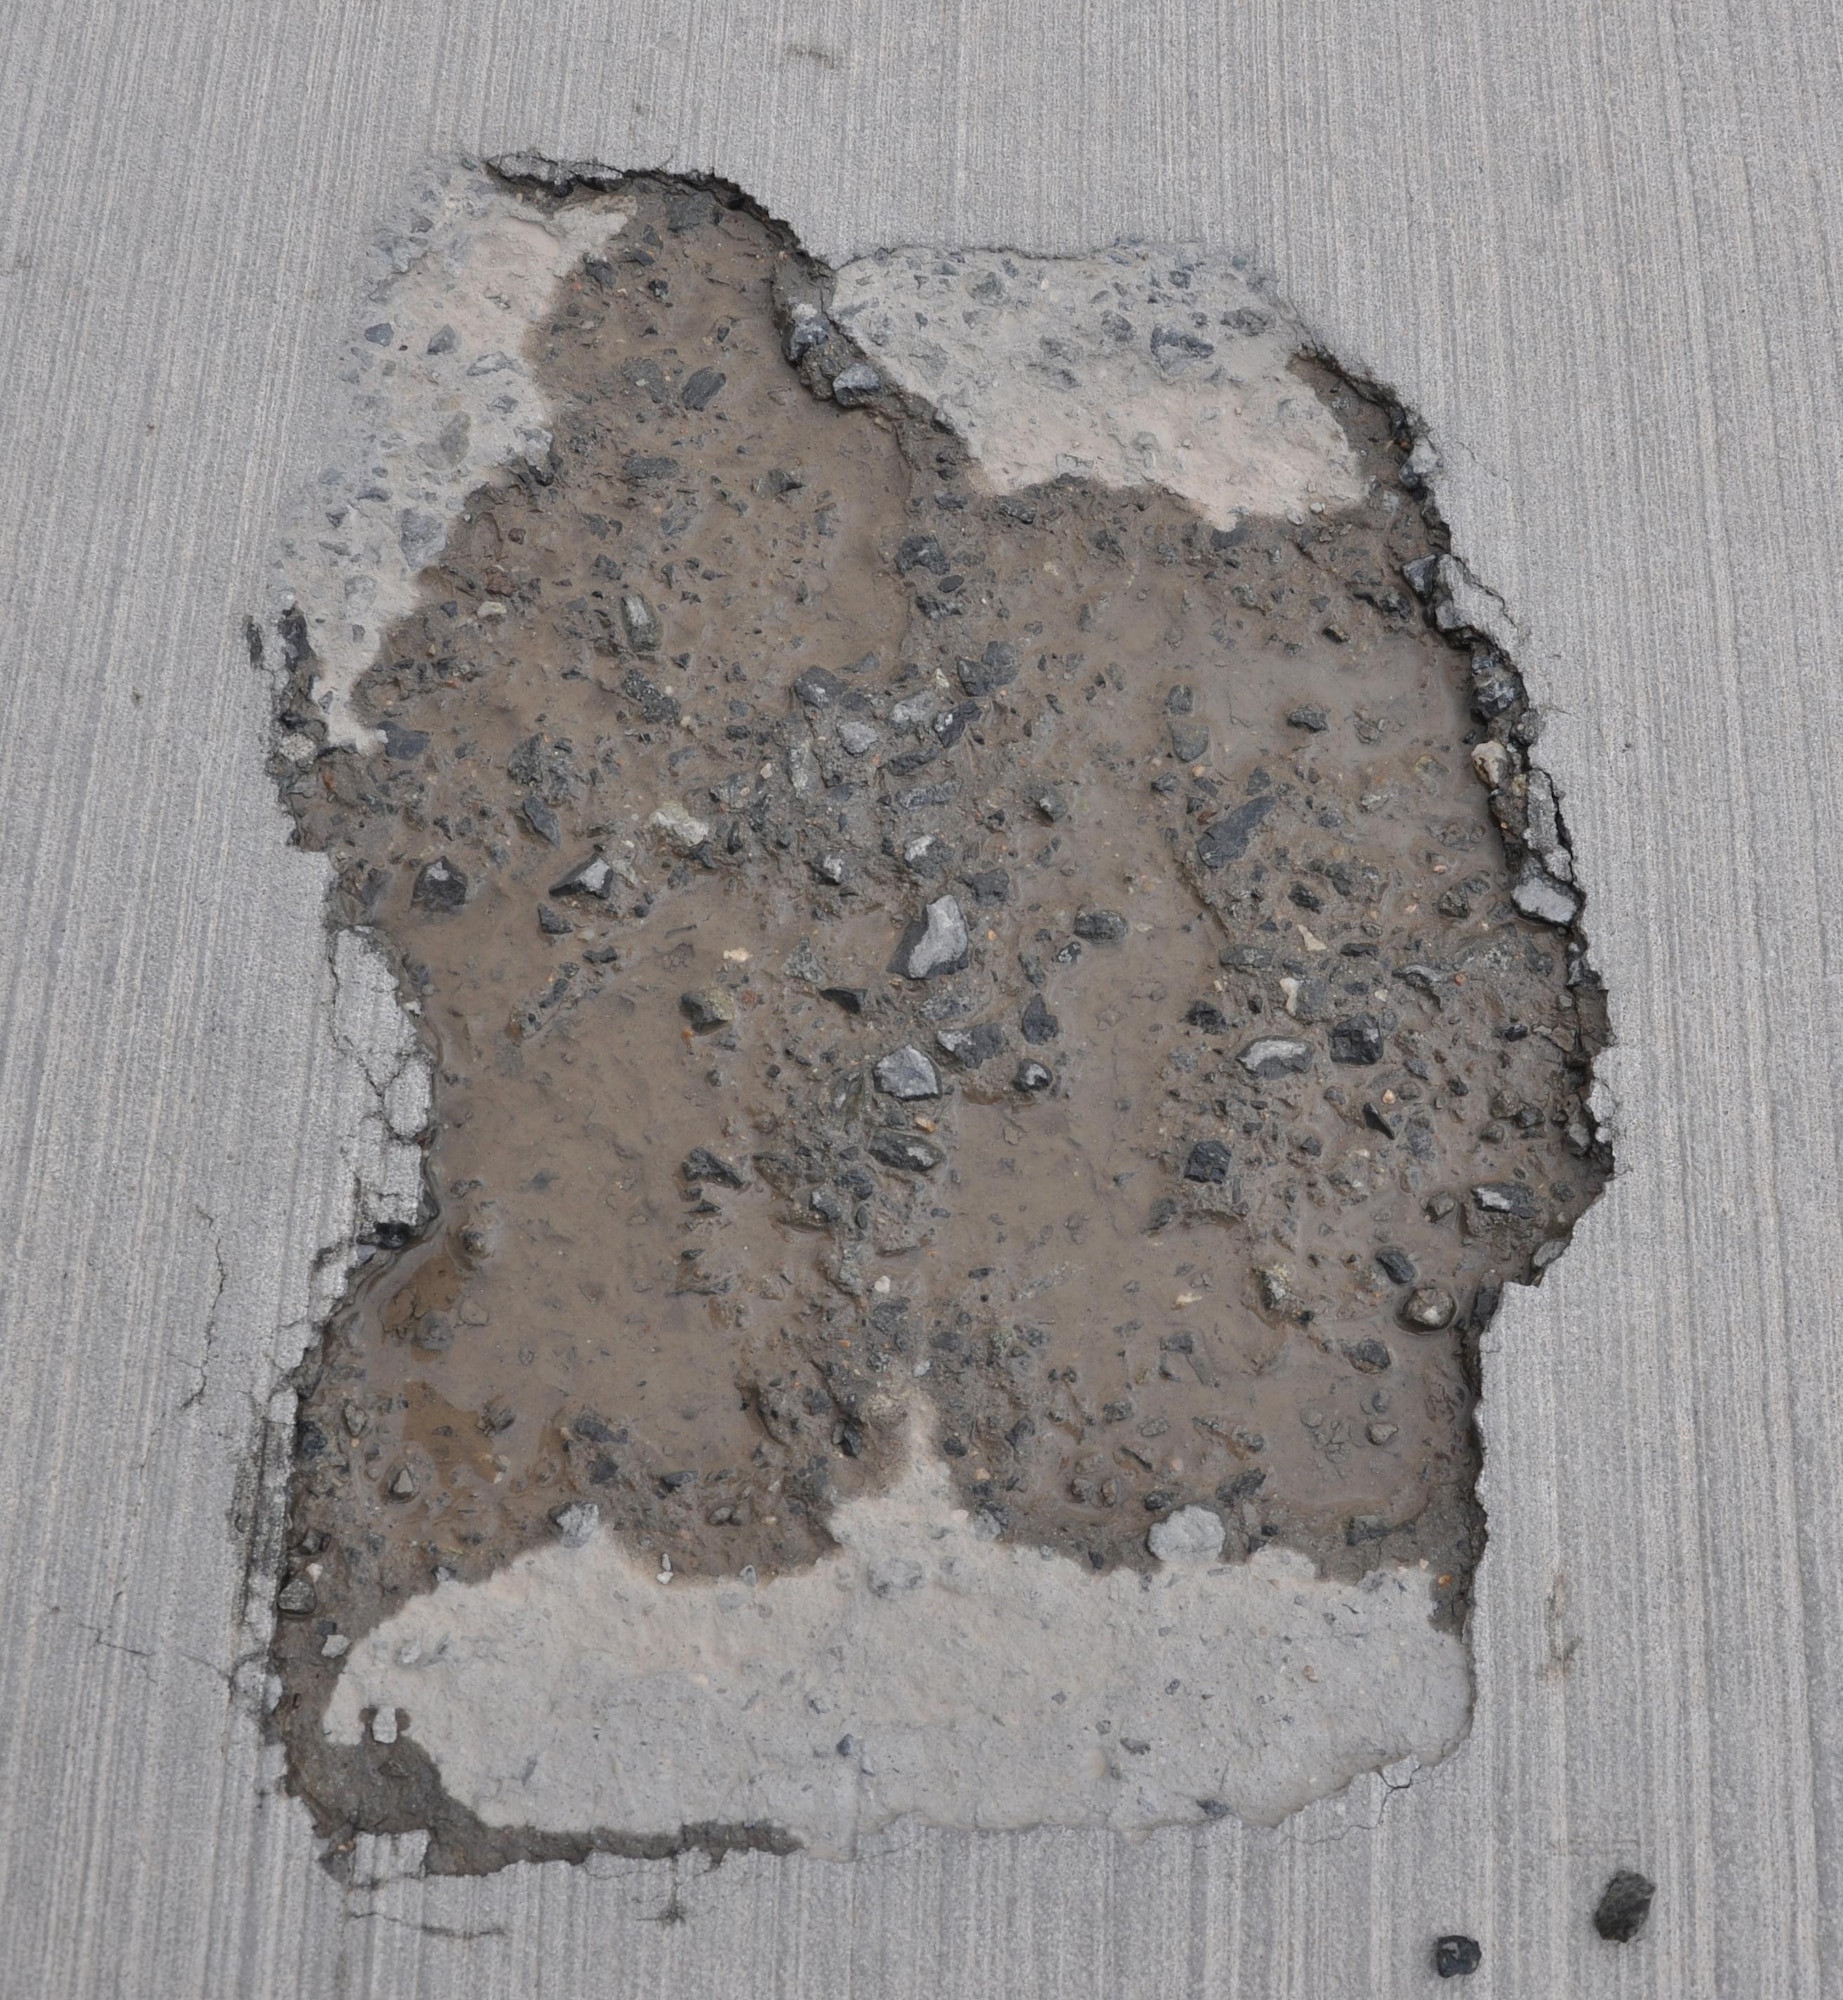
(1397, 1265)
(701, 1164)
(818, 687)
(603, 955)
(994, 669)
(553, 923)
(1209, 1161)
(1207, 1015)
(1032, 1076)
(440, 886)
(1455, 1957)
(1379, 1121)
(920, 552)
(541, 820)
(1100, 926)
(296, 1598)
(1372, 1356)
(1309, 716)
(1624, 1905)
(850, 998)
(1227, 839)
(1357, 1039)
(1039, 1025)
(700, 390)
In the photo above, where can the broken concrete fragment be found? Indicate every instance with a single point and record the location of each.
(1537, 894)
(1192, 1534)
(576, 1524)
(907, 1073)
(736, 1688)
(943, 944)
(681, 827)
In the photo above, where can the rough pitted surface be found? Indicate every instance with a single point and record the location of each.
(880, 934)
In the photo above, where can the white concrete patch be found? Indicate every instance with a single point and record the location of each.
(923, 1669)
(441, 406)
(1135, 367)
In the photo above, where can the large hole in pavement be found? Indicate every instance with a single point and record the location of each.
(1048, 952)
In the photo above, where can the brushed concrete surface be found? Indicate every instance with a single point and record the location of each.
(1600, 250)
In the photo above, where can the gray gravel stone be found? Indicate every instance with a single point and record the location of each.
(908, 1074)
(857, 384)
(943, 944)
(1274, 1056)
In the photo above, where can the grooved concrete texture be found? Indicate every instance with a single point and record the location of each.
(1601, 251)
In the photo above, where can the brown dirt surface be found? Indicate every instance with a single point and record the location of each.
(1247, 1092)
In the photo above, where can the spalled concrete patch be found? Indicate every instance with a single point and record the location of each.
(439, 397)
(1134, 368)
(922, 1669)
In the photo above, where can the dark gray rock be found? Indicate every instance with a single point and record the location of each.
(1209, 1161)
(1455, 1956)
(1397, 1266)
(541, 820)
(440, 886)
(920, 552)
(1032, 1076)
(1226, 839)
(970, 1047)
(818, 687)
(1624, 1905)
(906, 1151)
(702, 389)
(701, 1165)
(1275, 1056)
(995, 668)
(708, 1009)
(1101, 926)
(592, 876)
(810, 329)
(1038, 1025)
(1308, 715)
(854, 386)
(1356, 1039)
(1511, 1198)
